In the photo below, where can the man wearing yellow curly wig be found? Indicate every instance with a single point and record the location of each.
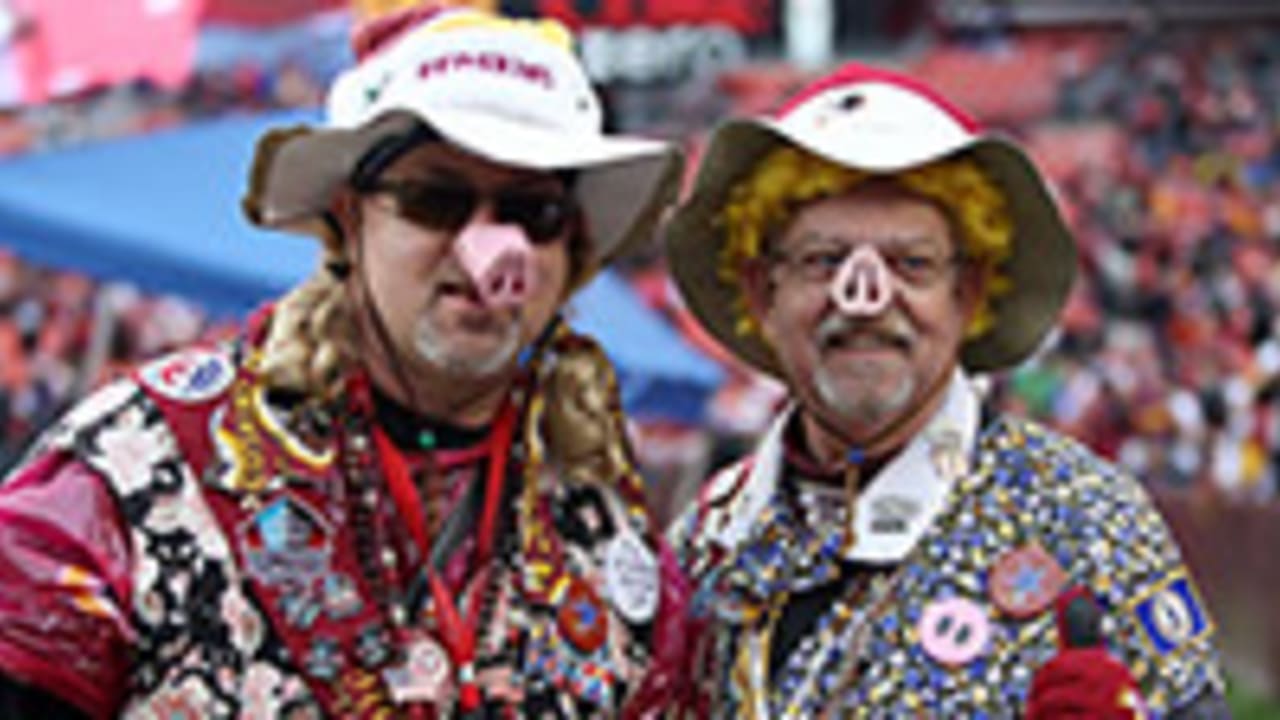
(378, 503)
(893, 548)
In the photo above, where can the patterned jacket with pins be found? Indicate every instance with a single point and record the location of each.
(963, 542)
(180, 546)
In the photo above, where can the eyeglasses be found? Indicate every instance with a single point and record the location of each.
(819, 263)
(447, 206)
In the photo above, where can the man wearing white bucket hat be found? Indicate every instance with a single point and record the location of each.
(382, 501)
(892, 548)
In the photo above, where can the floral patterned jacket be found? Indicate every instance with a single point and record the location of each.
(182, 546)
(978, 531)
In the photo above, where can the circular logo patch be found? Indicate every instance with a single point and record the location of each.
(1025, 581)
(631, 577)
(190, 376)
(426, 674)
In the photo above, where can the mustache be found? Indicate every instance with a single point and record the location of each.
(892, 330)
(451, 278)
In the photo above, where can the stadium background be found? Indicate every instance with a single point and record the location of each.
(1158, 122)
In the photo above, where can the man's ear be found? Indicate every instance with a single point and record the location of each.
(975, 280)
(758, 288)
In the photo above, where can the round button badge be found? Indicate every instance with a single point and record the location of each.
(954, 631)
(1024, 582)
(426, 675)
(631, 577)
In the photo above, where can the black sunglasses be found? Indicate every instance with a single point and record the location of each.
(448, 205)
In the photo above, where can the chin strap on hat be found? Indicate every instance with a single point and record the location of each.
(371, 165)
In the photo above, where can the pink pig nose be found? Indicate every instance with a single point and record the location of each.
(499, 261)
(863, 286)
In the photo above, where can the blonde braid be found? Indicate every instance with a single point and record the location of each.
(311, 342)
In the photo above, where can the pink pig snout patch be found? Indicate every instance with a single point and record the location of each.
(499, 261)
(863, 286)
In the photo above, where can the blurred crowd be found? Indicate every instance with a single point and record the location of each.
(1169, 356)
(62, 334)
(1165, 147)
(141, 108)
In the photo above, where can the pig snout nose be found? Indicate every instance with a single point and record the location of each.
(498, 259)
(863, 286)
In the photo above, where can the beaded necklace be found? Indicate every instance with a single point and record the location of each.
(375, 468)
(545, 575)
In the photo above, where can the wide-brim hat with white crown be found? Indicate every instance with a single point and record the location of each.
(880, 122)
(510, 91)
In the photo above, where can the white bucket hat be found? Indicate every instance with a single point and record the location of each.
(876, 121)
(510, 91)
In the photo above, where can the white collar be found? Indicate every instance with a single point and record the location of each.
(903, 499)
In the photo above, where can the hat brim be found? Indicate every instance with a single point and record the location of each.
(298, 177)
(1041, 267)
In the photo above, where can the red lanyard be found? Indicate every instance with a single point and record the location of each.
(457, 630)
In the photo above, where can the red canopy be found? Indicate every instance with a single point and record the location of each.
(746, 16)
(265, 12)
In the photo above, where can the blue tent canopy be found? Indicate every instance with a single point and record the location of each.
(162, 211)
(659, 374)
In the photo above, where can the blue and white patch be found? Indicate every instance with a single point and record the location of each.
(1172, 615)
(190, 376)
(287, 543)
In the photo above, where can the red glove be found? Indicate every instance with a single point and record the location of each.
(1083, 680)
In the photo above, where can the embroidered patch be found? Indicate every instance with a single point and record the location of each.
(893, 514)
(190, 376)
(589, 676)
(582, 617)
(324, 659)
(947, 452)
(1172, 615)
(341, 597)
(373, 646)
(287, 543)
(300, 609)
(424, 676)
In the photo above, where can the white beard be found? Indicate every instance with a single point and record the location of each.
(438, 353)
(871, 406)
(870, 402)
